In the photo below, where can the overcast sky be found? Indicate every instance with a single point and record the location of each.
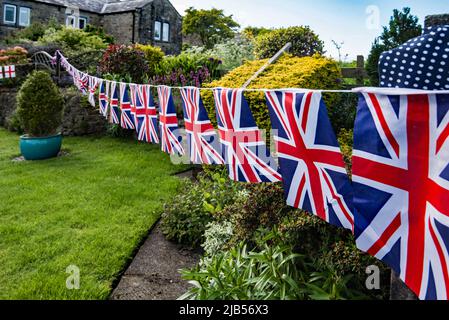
(354, 22)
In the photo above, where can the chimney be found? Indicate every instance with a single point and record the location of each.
(436, 20)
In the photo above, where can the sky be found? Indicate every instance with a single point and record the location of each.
(355, 22)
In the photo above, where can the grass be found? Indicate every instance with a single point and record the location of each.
(90, 209)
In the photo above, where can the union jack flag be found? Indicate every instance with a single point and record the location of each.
(245, 152)
(83, 82)
(145, 115)
(1, 72)
(401, 186)
(127, 118)
(93, 86)
(170, 141)
(114, 114)
(104, 97)
(202, 140)
(311, 162)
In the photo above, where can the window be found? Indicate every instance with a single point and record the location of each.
(157, 30)
(9, 14)
(70, 21)
(166, 32)
(82, 22)
(24, 16)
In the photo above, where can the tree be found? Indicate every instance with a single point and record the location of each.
(210, 26)
(403, 26)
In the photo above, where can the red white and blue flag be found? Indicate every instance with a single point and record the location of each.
(93, 86)
(311, 162)
(401, 186)
(83, 82)
(244, 148)
(104, 97)
(114, 114)
(168, 121)
(145, 114)
(127, 117)
(202, 139)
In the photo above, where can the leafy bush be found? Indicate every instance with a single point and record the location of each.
(125, 61)
(187, 69)
(217, 235)
(35, 31)
(99, 31)
(237, 274)
(184, 219)
(73, 41)
(16, 55)
(289, 72)
(40, 105)
(304, 42)
(153, 55)
(233, 52)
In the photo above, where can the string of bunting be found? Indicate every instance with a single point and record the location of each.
(396, 202)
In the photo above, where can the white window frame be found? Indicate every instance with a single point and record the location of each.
(157, 36)
(79, 22)
(9, 6)
(28, 22)
(166, 32)
(73, 24)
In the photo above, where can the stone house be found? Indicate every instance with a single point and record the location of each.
(154, 22)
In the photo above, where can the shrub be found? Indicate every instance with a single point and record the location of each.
(35, 31)
(187, 69)
(73, 41)
(304, 42)
(270, 274)
(40, 105)
(233, 52)
(16, 55)
(184, 219)
(217, 235)
(125, 61)
(99, 31)
(153, 55)
(289, 72)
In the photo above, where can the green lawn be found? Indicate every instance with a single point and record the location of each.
(90, 209)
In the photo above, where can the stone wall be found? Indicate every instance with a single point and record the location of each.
(437, 20)
(79, 117)
(120, 26)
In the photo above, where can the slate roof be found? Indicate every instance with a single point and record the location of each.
(101, 6)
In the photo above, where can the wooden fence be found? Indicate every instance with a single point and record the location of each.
(358, 73)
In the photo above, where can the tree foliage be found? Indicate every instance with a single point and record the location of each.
(210, 26)
(402, 27)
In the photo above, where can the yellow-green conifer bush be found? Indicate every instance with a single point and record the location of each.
(315, 72)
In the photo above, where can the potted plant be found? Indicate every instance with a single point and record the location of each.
(39, 109)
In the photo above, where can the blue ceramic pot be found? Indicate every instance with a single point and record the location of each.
(39, 148)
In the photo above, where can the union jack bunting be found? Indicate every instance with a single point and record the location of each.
(104, 97)
(114, 114)
(126, 118)
(245, 152)
(83, 82)
(145, 115)
(93, 86)
(168, 121)
(202, 140)
(401, 186)
(311, 162)
(10, 72)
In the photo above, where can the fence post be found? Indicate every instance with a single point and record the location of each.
(360, 65)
